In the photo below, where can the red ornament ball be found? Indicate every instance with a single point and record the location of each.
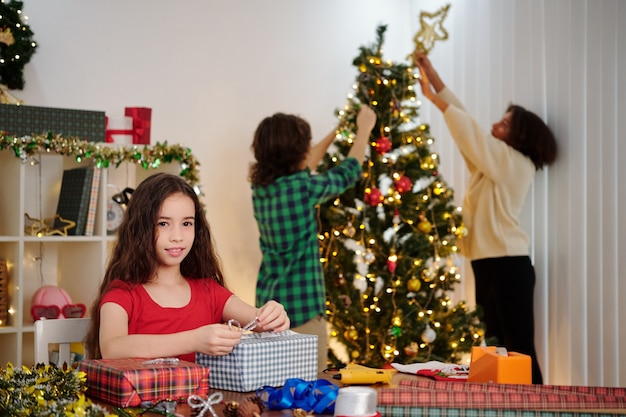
(383, 145)
(373, 197)
(403, 184)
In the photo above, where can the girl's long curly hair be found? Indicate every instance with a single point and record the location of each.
(134, 258)
(531, 136)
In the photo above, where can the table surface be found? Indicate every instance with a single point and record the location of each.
(183, 409)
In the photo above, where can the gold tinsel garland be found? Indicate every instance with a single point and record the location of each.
(46, 391)
(104, 155)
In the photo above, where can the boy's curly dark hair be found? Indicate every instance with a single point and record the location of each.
(281, 143)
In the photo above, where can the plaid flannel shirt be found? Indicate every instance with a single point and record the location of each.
(291, 272)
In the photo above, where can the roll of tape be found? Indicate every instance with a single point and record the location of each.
(356, 402)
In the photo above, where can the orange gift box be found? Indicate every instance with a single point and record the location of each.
(487, 365)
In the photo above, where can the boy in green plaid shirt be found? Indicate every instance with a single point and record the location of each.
(284, 196)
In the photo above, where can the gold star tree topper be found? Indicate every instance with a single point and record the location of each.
(431, 29)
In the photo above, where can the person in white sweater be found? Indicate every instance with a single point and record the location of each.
(502, 164)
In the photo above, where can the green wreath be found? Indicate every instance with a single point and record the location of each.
(16, 45)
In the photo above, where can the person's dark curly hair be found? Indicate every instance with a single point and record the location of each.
(134, 259)
(531, 136)
(281, 144)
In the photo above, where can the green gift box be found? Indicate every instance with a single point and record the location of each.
(22, 120)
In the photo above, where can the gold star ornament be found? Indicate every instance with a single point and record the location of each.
(431, 30)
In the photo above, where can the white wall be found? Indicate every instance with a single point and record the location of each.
(211, 70)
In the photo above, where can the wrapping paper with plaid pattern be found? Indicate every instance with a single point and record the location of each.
(403, 411)
(128, 382)
(264, 359)
(467, 396)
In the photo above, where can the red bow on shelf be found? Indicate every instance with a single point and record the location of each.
(141, 126)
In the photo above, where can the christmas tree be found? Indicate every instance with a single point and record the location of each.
(388, 245)
(16, 49)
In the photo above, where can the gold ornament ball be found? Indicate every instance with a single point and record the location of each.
(396, 321)
(349, 231)
(427, 162)
(428, 275)
(355, 354)
(414, 284)
(351, 334)
(424, 226)
(411, 349)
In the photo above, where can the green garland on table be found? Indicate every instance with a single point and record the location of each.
(45, 391)
(104, 155)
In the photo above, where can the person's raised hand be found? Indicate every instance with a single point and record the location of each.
(366, 119)
(427, 89)
(421, 60)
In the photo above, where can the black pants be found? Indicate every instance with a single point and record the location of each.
(504, 290)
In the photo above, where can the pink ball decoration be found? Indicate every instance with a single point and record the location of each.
(52, 302)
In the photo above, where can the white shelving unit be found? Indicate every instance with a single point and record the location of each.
(74, 263)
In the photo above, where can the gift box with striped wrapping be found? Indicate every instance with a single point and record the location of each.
(264, 359)
(129, 382)
(420, 398)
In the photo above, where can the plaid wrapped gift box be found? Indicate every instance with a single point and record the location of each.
(128, 382)
(34, 120)
(264, 359)
(452, 399)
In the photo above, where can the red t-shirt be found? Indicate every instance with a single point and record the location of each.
(145, 316)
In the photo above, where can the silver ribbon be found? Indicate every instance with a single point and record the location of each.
(158, 361)
(196, 401)
(250, 326)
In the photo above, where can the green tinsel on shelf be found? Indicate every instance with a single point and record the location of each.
(104, 156)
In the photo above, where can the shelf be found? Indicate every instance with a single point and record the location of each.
(74, 263)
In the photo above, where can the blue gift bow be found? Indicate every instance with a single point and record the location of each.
(318, 396)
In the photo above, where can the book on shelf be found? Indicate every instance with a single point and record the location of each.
(93, 202)
(74, 199)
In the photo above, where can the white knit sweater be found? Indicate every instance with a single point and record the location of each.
(500, 177)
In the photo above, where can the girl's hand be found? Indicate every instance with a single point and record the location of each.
(421, 60)
(272, 316)
(216, 339)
